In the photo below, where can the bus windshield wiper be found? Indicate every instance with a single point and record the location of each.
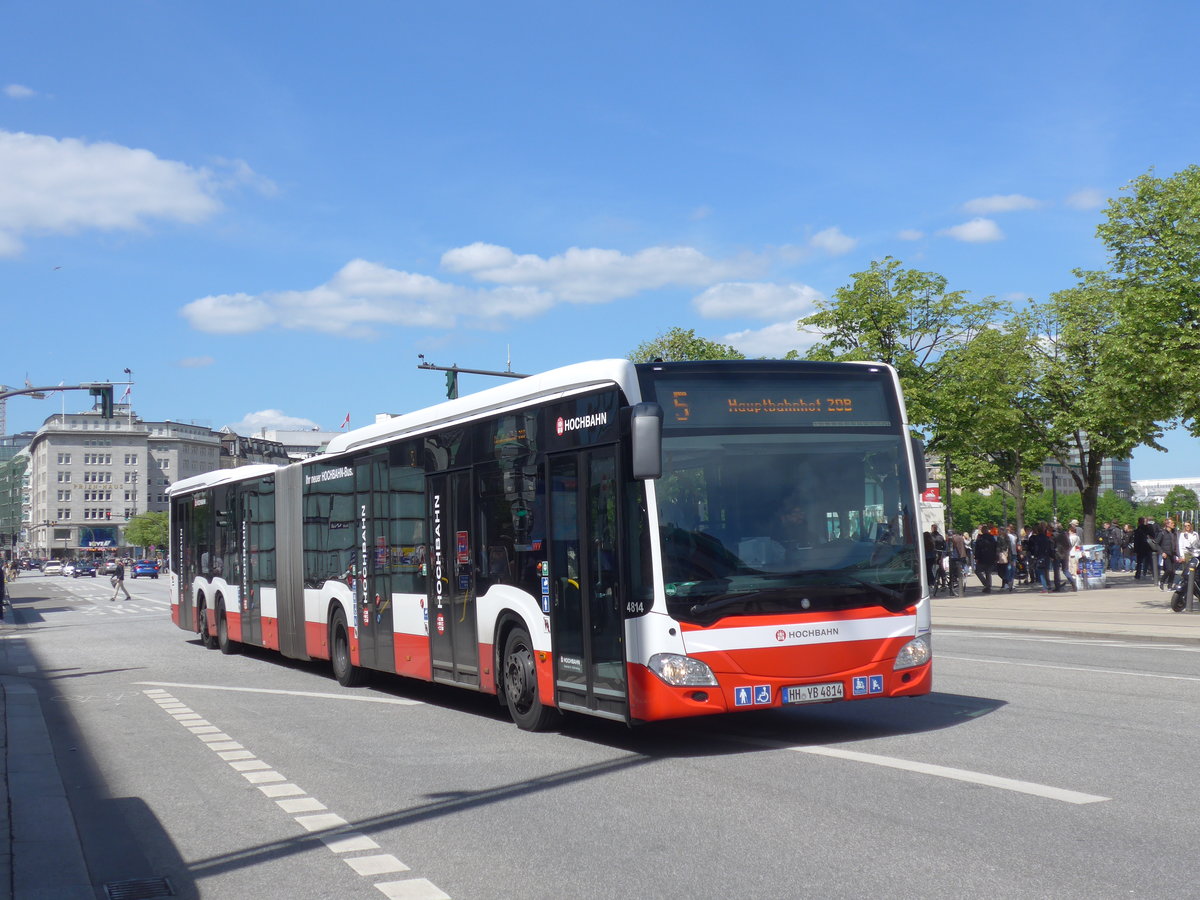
(899, 601)
(722, 601)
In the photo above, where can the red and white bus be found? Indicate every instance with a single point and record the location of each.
(637, 542)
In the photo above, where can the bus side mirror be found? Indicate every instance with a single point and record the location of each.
(646, 429)
(918, 448)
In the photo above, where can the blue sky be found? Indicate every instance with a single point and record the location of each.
(267, 210)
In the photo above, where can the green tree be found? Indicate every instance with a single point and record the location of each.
(986, 422)
(1153, 238)
(677, 344)
(147, 530)
(902, 317)
(1094, 391)
(1180, 498)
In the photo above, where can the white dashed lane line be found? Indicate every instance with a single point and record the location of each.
(308, 812)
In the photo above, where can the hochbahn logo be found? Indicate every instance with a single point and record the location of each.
(593, 420)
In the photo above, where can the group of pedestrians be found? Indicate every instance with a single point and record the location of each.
(1159, 550)
(1049, 554)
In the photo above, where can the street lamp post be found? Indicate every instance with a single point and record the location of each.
(1054, 494)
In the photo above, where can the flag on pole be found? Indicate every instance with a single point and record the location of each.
(347, 422)
(127, 390)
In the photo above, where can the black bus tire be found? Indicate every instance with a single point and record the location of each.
(227, 644)
(346, 673)
(520, 684)
(207, 641)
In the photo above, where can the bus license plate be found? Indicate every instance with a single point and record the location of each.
(813, 693)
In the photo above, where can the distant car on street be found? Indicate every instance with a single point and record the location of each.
(84, 568)
(110, 567)
(68, 569)
(144, 567)
(53, 567)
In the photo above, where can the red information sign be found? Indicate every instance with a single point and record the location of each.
(460, 546)
(932, 495)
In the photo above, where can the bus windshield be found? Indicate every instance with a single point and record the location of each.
(761, 523)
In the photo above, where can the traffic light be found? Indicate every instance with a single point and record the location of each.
(452, 384)
(104, 397)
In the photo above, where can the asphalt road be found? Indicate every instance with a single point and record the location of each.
(1040, 767)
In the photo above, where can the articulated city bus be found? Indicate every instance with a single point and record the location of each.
(637, 542)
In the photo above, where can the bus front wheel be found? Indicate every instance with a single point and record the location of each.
(346, 673)
(520, 684)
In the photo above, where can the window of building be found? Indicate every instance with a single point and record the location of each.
(64, 459)
(64, 496)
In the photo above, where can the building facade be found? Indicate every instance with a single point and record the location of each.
(89, 476)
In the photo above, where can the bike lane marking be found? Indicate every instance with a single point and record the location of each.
(306, 810)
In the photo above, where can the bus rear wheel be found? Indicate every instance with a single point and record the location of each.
(207, 641)
(346, 673)
(520, 684)
(227, 644)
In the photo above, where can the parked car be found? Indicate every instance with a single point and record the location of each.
(84, 568)
(145, 567)
(52, 567)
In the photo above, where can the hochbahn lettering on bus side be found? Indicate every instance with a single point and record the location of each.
(578, 423)
(437, 548)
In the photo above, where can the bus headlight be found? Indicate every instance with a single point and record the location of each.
(682, 671)
(916, 652)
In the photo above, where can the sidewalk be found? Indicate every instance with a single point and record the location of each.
(1124, 609)
(40, 852)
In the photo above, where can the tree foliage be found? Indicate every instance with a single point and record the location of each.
(147, 530)
(676, 344)
(903, 317)
(1180, 498)
(1153, 238)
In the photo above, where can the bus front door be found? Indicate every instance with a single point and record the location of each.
(453, 630)
(585, 566)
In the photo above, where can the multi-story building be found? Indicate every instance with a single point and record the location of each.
(238, 450)
(14, 463)
(88, 476)
(1114, 476)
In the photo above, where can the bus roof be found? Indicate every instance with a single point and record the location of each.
(220, 476)
(540, 387)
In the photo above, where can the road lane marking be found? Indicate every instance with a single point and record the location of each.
(965, 775)
(393, 701)
(330, 828)
(1088, 669)
(982, 778)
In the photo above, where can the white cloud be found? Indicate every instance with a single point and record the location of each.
(757, 299)
(48, 185)
(593, 275)
(833, 241)
(1087, 199)
(53, 186)
(701, 212)
(19, 92)
(977, 231)
(910, 234)
(360, 297)
(773, 341)
(195, 362)
(1000, 203)
(252, 423)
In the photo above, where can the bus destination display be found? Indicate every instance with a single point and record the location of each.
(812, 402)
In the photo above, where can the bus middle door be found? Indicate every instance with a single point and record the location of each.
(373, 590)
(453, 630)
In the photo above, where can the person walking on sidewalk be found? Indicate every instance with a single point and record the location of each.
(1041, 552)
(1168, 543)
(985, 557)
(118, 581)
(1062, 559)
